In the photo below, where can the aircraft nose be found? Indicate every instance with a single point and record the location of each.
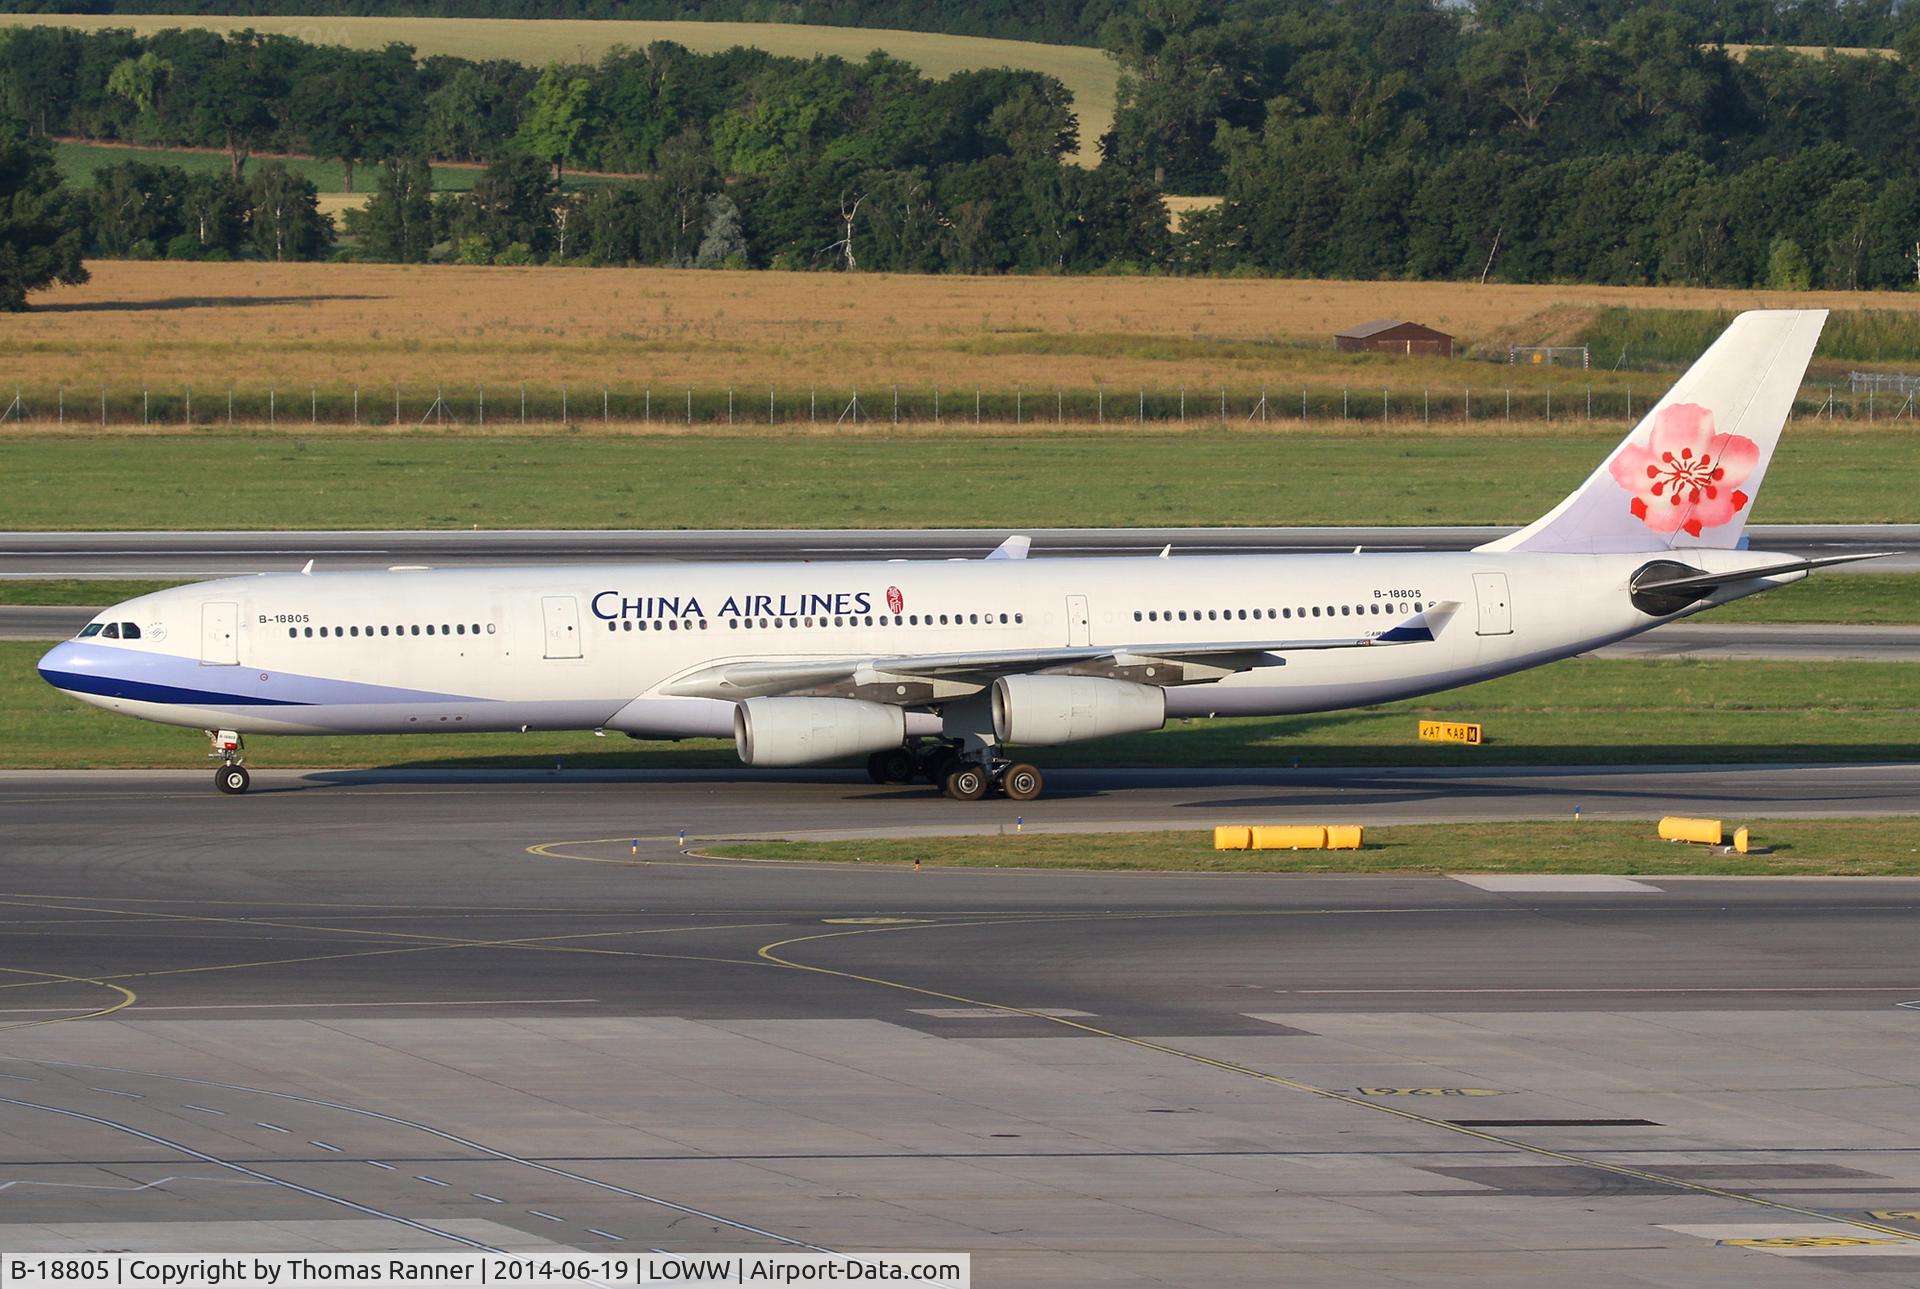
(58, 664)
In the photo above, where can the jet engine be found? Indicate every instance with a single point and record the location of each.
(807, 731)
(1066, 709)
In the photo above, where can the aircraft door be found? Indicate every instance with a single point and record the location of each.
(1078, 622)
(561, 614)
(220, 634)
(1496, 608)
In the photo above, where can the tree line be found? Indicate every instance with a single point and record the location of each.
(1351, 138)
(1395, 140)
(1818, 23)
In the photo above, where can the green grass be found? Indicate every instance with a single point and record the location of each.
(717, 479)
(1675, 337)
(79, 161)
(76, 592)
(1801, 847)
(1582, 712)
(1862, 599)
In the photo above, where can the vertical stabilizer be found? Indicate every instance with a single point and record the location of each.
(1685, 479)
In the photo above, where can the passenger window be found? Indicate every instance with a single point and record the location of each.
(1183, 615)
(112, 632)
(293, 633)
(323, 633)
(703, 624)
(1316, 610)
(445, 630)
(459, 628)
(1213, 615)
(383, 630)
(973, 619)
(1243, 615)
(309, 633)
(91, 629)
(416, 629)
(1019, 617)
(1416, 606)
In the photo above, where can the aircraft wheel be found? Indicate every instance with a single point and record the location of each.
(896, 765)
(1022, 782)
(232, 779)
(966, 783)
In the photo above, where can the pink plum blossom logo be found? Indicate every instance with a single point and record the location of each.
(1686, 477)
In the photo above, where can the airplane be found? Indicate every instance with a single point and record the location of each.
(944, 670)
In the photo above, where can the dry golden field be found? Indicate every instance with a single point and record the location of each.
(334, 325)
(1091, 76)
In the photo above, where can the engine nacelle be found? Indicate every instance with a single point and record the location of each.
(1066, 709)
(807, 731)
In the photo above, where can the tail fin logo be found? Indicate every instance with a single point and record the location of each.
(1685, 477)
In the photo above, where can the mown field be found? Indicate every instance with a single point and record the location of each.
(1581, 712)
(920, 477)
(1798, 848)
(80, 161)
(1089, 74)
(295, 326)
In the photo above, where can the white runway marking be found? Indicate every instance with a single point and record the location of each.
(1553, 882)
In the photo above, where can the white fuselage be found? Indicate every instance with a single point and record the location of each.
(596, 646)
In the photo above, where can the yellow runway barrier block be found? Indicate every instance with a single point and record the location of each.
(1741, 841)
(1707, 831)
(1344, 836)
(1238, 837)
(1289, 837)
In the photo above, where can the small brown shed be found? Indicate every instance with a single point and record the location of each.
(1390, 336)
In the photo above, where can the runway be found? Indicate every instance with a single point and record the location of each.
(219, 554)
(368, 990)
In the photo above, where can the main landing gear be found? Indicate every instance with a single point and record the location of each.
(957, 775)
(232, 777)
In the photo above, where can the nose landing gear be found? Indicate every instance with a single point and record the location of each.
(232, 777)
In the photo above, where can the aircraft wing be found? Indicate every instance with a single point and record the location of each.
(917, 678)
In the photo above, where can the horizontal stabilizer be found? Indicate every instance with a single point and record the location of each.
(1655, 581)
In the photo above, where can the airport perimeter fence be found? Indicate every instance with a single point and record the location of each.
(667, 406)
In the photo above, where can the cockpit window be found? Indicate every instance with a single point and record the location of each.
(112, 632)
(129, 631)
(91, 629)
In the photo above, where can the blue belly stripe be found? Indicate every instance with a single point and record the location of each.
(141, 691)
